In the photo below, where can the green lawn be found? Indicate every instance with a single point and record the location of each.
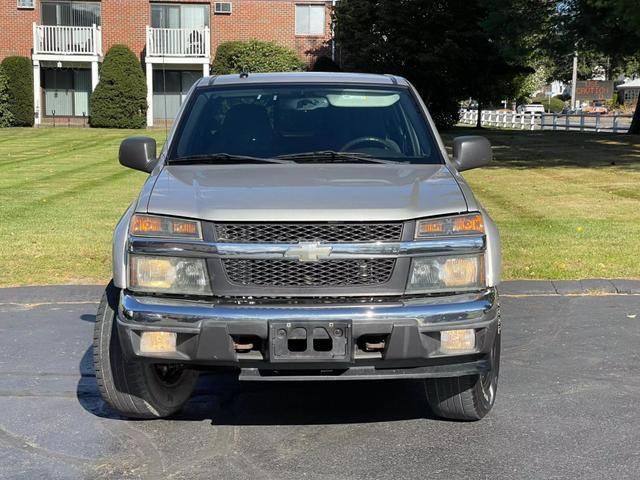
(61, 193)
(568, 204)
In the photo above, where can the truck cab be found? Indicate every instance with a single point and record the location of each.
(302, 227)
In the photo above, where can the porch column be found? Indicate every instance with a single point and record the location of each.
(149, 94)
(94, 75)
(37, 94)
(205, 69)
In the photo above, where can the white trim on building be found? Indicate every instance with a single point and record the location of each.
(170, 48)
(64, 45)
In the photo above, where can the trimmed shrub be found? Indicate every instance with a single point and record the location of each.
(555, 106)
(325, 64)
(120, 98)
(20, 90)
(255, 57)
(6, 117)
(444, 111)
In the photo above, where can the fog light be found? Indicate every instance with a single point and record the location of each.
(158, 342)
(457, 341)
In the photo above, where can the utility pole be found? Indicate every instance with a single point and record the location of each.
(333, 31)
(574, 80)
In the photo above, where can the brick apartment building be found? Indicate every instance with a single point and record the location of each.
(175, 40)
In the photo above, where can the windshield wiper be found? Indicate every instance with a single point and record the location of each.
(224, 157)
(331, 156)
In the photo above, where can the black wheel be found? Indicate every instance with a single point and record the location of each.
(466, 398)
(134, 389)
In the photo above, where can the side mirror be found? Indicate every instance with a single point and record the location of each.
(471, 151)
(138, 153)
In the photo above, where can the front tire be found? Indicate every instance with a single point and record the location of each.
(467, 398)
(133, 388)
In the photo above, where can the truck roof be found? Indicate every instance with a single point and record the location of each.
(304, 77)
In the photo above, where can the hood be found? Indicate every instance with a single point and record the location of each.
(306, 192)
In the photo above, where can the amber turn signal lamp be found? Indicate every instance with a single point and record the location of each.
(444, 226)
(145, 225)
(155, 226)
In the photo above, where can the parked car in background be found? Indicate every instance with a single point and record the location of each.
(596, 107)
(531, 108)
(302, 227)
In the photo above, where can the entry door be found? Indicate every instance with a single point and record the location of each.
(170, 90)
(81, 92)
(66, 92)
(58, 92)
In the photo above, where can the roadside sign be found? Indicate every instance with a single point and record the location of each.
(589, 90)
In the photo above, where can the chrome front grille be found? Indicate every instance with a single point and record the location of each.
(308, 232)
(291, 273)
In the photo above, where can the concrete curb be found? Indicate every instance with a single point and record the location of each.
(51, 293)
(92, 293)
(570, 287)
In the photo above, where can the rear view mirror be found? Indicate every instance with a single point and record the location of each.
(138, 153)
(471, 151)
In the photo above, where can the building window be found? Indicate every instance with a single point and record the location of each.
(631, 94)
(310, 20)
(66, 92)
(72, 14)
(184, 16)
(26, 4)
(222, 8)
(170, 89)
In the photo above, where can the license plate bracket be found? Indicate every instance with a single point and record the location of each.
(305, 341)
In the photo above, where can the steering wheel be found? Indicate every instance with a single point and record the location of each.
(386, 144)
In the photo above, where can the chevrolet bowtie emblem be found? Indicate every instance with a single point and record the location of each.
(308, 251)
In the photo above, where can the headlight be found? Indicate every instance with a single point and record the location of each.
(446, 273)
(186, 276)
(468, 224)
(155, 226)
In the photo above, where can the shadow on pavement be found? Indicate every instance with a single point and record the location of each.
(224, 400)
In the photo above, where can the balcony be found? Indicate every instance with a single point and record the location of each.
(186, 44)
(67, 41)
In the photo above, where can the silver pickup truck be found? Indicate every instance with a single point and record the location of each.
(302, 226)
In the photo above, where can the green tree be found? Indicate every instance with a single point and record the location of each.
(450, 49)
(256, 57)
(6, 117)
(20, 90)
(606, 28)
(550, 104)
(120, 98)
(526, 85)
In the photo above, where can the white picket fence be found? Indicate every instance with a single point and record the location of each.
(581, 122)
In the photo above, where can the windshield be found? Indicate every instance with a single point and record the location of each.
(303, 123)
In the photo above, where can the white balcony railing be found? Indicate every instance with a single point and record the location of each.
(178, 42)
(66, 40)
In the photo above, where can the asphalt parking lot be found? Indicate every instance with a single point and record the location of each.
(567, 407)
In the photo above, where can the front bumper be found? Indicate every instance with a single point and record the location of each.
(208, 335)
